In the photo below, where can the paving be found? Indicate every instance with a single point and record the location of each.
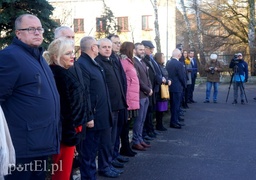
(218, 142)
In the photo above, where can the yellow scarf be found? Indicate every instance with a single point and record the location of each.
(187, 61)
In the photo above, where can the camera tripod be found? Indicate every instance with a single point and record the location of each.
(241, 83)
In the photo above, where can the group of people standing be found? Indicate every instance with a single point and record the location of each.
(57, 104)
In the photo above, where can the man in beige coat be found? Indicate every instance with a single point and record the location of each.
(213, 69)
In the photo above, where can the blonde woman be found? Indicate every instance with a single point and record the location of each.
(60, 56)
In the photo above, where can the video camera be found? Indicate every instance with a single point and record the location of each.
(212, 69)
(235, 59)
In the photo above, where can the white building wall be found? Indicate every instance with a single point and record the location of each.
(67, 10)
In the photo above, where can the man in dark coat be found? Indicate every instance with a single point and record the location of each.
(193, 76)
(176, 74)
(156, 79)
(30, 101)
(115, 89)
(98, 138)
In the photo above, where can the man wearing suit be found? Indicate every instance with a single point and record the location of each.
(176, 74)
(98, 138)
(193, 76)
(156, 79)
(145, 91)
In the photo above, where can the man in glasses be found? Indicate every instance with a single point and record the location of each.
(29, 99)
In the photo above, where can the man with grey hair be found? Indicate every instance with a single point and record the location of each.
(115, 90)
(98, 138)
(176, 74)
(64, 31)
(30, 100)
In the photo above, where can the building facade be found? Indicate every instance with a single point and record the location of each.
(134, 17)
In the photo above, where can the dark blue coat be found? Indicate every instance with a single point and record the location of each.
(176, 73)
(99, 104)
(30, 101)
(194, 68)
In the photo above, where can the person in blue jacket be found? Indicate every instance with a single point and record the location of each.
(30, 100)
(240, 70)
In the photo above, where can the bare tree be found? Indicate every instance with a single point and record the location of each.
(199, 33)
(157, 37)
(188, 27)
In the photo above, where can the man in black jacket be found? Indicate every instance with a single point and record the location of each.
(115, 89)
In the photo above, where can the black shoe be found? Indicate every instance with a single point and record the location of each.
(234, 102)
(206, 101)
(156, 133)
(254, 98)
(162, 128)
(152, 135)
(186, 106)
(122, 159)
(181, 113)
(129, 153)
(193, 101)
(117, 164)
(214, 101)
(181, 124)
(119, 171)
(181, 119)
(176, 126)
(242, 101)
(148, 138)
(110, 174)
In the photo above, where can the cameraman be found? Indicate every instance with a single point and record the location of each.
(213, 69)
(240, 75)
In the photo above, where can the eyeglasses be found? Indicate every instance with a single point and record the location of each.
(33, 30)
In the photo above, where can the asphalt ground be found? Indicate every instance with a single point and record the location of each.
(218, 142)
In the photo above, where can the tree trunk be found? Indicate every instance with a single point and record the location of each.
(188, 27)
(157, 38)
(201, 59)
(251, 36)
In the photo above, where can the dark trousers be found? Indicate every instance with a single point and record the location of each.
(123, 127)
(175, 107)
(125, 142)
(148, 124)
(29, 169)
(159, 119)
(187, 91)
(98, 141)
(192, 87)
(114, 133)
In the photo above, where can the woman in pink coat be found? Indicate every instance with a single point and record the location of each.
(133, 89)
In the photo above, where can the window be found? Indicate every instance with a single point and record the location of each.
(147, 23)
(57, 21)
(78, 25)
(100, 25)
(122, 23)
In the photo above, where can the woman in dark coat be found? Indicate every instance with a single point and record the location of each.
(60, 56)
(160, 59)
